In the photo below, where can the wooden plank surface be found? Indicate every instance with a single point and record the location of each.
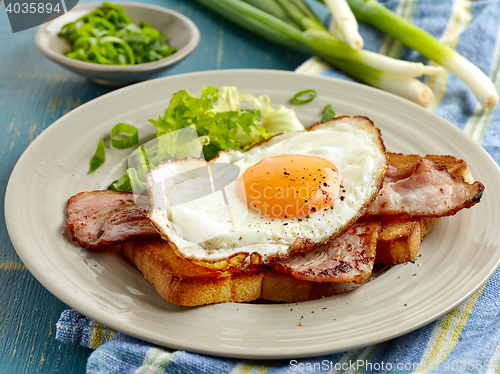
(34, 92)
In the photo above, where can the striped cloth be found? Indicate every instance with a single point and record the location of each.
(466, 339)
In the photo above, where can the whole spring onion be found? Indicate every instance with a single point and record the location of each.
(375, 14)
(108, 36)
(299, 28)
(293, 24)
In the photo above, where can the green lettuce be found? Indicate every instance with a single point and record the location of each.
(221, 119)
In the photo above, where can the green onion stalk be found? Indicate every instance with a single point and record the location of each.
(375, 14)
(403, 84)
(297, 27)
(345, 21)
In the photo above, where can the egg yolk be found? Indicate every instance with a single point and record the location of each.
(291, 186)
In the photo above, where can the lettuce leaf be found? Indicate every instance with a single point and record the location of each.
(222, 120)
(227, 126)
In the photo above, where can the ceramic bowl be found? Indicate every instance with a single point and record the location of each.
(181, 32)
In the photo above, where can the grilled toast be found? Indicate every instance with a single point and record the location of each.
(183, 282)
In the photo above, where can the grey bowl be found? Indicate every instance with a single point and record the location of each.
(181, 32)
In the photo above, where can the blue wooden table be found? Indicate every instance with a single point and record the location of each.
(34, 92)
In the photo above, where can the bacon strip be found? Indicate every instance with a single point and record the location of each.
(349, 258)
(102, 218)
(425, 190)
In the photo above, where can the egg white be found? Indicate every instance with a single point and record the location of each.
(219, 225)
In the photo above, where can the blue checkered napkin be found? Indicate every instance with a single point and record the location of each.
(466, 339)
(74, 327)
(469, 336)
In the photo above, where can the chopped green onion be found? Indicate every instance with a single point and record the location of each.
(145, 156)
(107, 36)
(124, 128)
(98, 158)
(122, 184)
(328, 113)
(310, 95)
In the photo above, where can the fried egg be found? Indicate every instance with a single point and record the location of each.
(291, 192)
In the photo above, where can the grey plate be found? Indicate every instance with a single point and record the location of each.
(459, 255)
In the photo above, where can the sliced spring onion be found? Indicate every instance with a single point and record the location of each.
(304, 97)
(107, 36)
(122, 184)
(145, 156)
(124, 128)
(328, 113)
(98, 158)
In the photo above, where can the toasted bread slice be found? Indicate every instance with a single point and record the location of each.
(283, 287)
(182, 282)
(400, 237)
